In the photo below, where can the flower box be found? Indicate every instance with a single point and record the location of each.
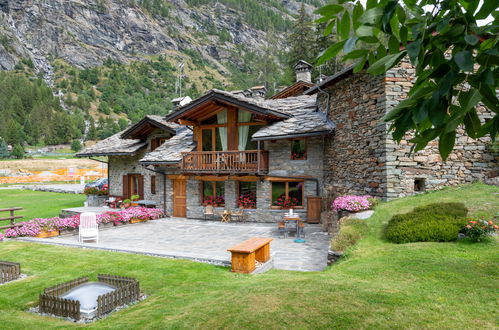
(137, 220)
(45, 234)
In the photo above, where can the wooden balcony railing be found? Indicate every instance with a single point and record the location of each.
(228, 162)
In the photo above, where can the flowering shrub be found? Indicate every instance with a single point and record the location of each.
(214, 201)
(286, 203)
(95, 191)
(248, 201)
(352, 203)
(478, 230)
(35, 226)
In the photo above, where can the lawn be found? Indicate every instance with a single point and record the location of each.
(377, 284)
(37, 204)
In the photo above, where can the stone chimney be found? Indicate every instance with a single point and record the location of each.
(258, 92)
(303, 71)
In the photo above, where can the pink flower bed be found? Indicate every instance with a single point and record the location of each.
(1, 237)
(35, 226)
(352, 203)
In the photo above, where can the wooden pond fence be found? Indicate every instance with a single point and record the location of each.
(127, 291)
(9, 271)
(12, 218)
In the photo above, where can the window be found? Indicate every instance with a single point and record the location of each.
(213, 193)
(246, 195)
(298, 149)
(153, 184)
(287, 194)
(155, 143)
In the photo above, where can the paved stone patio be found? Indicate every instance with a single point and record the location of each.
(206, 241)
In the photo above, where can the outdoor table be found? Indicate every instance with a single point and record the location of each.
(295, 218)
(146, 203)
(225, 216)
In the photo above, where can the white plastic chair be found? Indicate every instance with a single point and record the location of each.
(88, 229)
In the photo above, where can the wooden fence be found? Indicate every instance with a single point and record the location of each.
(9, 271)
(10, 218)
(127, 291)
(51, 303)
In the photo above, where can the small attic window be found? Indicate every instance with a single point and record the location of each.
(299, 149)
(155, 143)
(419, 185)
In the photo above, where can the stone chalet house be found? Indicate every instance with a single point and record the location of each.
(310, 142)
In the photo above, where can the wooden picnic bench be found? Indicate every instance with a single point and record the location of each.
(245, 254)
(10, 218)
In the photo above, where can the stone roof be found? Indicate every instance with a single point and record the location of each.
(158, 121)
(171, 150)
(306, 120)
(113, 146)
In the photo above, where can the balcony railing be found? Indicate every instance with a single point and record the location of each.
(227, 162)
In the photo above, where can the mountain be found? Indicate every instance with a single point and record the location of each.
(108, 60)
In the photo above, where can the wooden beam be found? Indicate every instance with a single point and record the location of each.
(212, 178)
(232, 130)
(187, 122)
(247, 178)
(177, 177)
(252, 123)
(279, 179)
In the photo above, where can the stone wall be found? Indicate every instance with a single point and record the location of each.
(354, 155)
(362, 158)
(470, 161)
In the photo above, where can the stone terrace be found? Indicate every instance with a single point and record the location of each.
(205, 241)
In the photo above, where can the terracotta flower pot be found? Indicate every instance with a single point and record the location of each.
(45, 234)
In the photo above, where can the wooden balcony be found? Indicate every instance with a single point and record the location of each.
(226, 162)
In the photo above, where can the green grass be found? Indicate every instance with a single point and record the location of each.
(37, 204)
(377, 285)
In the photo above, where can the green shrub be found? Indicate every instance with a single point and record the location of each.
(430, 223)
(351, 231)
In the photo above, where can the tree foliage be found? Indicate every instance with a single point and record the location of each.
(301, 39)
(456, 60)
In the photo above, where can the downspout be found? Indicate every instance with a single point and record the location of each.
(164, 186)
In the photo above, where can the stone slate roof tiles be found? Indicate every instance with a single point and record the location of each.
(306, 120)
(113, 146)
(171, 150)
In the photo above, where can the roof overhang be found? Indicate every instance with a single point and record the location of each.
(330, 80)
(291, 136)
(298, 88)
(145, 127)
(214, 100)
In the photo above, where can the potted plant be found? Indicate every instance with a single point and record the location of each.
(351, 204)
(126, 203)
(134, 199)
(286, 203)
(247, 201)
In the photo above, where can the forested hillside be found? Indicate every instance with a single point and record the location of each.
(111, 62)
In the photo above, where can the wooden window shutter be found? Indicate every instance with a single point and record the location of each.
(126, 187)
(141, 186)
(153, 184)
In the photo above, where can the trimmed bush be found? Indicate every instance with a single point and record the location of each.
(430, 223)
(351, 231)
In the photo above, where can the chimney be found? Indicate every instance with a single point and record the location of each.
(181, 101)
(258, 92)
(321, 78)
(303, 71)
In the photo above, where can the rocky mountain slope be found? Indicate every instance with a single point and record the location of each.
(85, 33)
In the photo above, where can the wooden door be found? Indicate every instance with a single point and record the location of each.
(314, 206)
(179, 198)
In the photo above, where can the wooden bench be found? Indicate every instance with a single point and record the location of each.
(246, 253)
(11, 218)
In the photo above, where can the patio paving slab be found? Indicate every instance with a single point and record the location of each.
(205, 241)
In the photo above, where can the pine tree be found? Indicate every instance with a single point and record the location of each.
(18, 151)
(301, 39)
(4, 153)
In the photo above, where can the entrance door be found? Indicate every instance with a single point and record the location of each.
(179, 198)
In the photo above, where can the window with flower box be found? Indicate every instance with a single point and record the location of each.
(213, 193)
(246, 194)
(299, 149)
(287, 194)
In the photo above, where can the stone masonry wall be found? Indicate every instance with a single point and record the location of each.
(470, 161)
(362, 158)
(354, 155)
